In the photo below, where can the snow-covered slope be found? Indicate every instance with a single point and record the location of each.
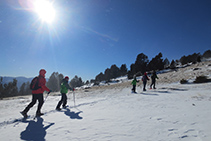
(172, 112)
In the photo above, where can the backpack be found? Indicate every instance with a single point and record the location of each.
(34, 83)
(144, 78)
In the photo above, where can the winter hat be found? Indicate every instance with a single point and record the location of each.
(42, 72)
(66, 77)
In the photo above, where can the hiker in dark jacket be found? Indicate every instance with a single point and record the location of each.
(37, 95)
(144, 79)
(153, 77)
(64, 89)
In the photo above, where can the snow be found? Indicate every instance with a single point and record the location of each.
(171, 112)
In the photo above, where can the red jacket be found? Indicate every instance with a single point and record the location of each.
(41, 84)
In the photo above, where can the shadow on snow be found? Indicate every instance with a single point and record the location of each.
(73, 115)
(35, 131)
(174, 89)
(143, 93)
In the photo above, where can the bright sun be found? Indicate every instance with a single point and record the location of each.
(45, 10)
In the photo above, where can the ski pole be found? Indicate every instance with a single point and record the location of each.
(74, 98)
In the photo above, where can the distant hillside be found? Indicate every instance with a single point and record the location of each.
(20, 80)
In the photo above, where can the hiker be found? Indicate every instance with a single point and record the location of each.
(153, 77)
(134, 84)
(37, 94)
(64, 89)
(144, 79)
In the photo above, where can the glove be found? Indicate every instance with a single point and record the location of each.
(49, 91)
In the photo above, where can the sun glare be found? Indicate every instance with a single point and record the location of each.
(45, 10)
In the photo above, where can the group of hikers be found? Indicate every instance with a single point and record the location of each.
(37, 94)
(145, 78)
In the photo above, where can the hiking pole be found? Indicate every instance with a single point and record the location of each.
(74, 102)
(74, 98)
(46, 97)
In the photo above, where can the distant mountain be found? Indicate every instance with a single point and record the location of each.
(20, 80)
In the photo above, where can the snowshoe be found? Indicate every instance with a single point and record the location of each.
(24, 114)
(58, 109)
(39, 114)
(133, 91)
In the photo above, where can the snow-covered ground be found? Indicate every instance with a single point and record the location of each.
(172, 112)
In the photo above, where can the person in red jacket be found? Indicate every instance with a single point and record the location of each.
(37, 95)
(144, 79)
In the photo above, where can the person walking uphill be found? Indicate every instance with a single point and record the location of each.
(134, 84)
(37, 94)
(153, 77)
(63, 90)
(144, 79)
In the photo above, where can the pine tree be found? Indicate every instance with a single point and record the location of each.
(55, 81)
(76, 82)
(22, 89)
(172, 65)
(166, 63)
(115, 72)
(123, 70)
(156, 63)
(207, 54)
(100, 77)
(140, 64)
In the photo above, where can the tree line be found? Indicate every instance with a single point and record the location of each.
(110, 73)
(141, 65)
(53, 83)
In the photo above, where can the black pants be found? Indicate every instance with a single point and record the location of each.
(153, 83)
(35, 97)
(134, 88)
(63, 101)
(144, 83)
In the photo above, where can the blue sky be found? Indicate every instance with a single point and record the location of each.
(88, 36)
